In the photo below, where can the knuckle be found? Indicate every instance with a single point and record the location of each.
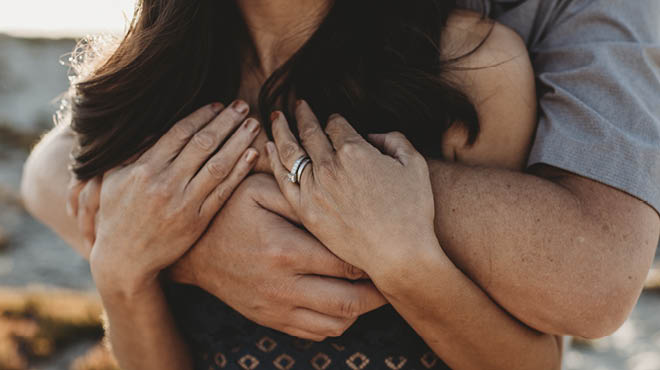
(160, 191)
(143, 173)
(352, 272)
(332, 127)
(336, 120)
(223, 193)
(421, 161)
(325, 167)
(348, 308)
(204, 140)
(397, 135)
(336, 331)
(184, 129)
(217, 169)
(309, 131)
(289, 150)
(350, 149)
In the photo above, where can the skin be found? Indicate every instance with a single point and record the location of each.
(583, 300)
(341, 201)
(182, 183)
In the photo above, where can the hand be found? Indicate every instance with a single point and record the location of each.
(152, 210)
(82, 204)
(273, 272)
(367, 207)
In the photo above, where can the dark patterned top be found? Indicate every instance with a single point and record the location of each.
(221, 338)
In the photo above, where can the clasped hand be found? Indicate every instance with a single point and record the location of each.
(296, 287)
(370, 208)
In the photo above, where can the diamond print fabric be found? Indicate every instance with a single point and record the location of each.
(223, 339)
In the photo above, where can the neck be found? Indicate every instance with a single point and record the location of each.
(280, 27)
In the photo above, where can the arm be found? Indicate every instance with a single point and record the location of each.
(183, 181)
(298, 274)
(44, 186)
(377, 214)
(456, 318)
(141, 328)
(564, 253)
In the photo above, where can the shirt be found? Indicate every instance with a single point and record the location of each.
(597, 65)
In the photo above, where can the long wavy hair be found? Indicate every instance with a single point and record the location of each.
(377, 62)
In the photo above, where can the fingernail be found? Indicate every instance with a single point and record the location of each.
(270, 147)
(252, 125)
(251, 156)
(240, 106)
(217, 107)
(275, 115)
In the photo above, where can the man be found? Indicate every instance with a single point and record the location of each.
(564, 247)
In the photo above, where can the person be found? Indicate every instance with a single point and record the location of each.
(523, 248)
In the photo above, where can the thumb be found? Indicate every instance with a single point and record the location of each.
(395, 145)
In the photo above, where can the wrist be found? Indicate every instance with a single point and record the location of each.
(181, 272)
(120, 280)
(398, 275)
(126, 291)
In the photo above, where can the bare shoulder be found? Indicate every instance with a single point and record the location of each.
(497, 76)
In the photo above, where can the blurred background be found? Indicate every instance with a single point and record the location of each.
(49, 312)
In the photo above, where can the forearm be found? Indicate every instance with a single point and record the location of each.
(142, 330)
(541, 249)
(44, 186)
(458, 321)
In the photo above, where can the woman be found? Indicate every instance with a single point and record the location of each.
(413, 67)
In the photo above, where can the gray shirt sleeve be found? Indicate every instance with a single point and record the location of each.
(598, 75)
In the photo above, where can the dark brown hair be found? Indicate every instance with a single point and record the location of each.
(377, 62)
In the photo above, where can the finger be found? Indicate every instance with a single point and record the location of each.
(395, 145)
(288, 149)
(317, 323)
(316, 259)
(207, 140)
(170, 144)
(313, 139)
(73, 193)
(217, 198)
(290, 190)
(341, 132)
(271, 198)
(89, 202)
(220, 165)
(302, 334)
(339, 298)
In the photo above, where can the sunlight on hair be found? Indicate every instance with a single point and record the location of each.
(64, 18)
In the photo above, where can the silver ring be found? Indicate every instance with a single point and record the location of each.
(293, 175)
(301, 168)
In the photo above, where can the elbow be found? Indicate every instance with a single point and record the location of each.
(603, 321)
(600, 311)
(40, 180)
(29, 188)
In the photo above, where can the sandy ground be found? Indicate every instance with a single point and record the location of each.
(30, 77)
